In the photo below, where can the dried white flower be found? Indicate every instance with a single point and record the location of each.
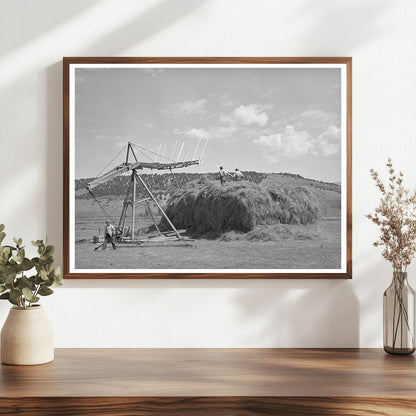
(396, 217)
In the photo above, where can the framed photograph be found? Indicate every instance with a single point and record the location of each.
(207, 168)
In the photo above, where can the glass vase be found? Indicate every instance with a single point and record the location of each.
(399, 316)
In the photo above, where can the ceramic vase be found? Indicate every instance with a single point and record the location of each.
(27, 337)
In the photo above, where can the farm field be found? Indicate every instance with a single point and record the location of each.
(267, 246)
(306, 254)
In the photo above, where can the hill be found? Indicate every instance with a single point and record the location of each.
(166, 184)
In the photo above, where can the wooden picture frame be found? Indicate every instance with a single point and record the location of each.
(293, 112)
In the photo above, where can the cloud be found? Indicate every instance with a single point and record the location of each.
(314, 114)
(225, 118)
(290, 144)
(293, 144)
(224, 132)
(101, 136)
(194, 133)
(191, 107)
(321, 118)
(250, 114)
(329, 142)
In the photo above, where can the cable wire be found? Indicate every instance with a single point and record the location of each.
(111, 161)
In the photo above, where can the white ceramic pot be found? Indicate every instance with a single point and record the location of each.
(27, 337)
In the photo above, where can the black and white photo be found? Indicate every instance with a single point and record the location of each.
(207, 169)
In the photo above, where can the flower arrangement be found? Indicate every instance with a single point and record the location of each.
(396, 217)
(16, 285)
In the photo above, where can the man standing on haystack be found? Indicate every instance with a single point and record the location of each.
(238, 175)
(222, 175)
(109, 235)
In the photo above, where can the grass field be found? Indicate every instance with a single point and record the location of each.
(324, 253)
(280, 246)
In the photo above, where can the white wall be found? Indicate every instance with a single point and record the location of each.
(380, 35)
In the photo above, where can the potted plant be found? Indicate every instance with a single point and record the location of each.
(27, 336)
(396, 217)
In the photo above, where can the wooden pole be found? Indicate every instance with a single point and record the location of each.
(152, 216)
(133, 206)
(158, 205)
(122, 221)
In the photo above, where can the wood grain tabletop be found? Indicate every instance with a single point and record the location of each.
(212, 378)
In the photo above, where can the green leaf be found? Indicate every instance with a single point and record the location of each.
(26, 264)
(1, 227)
(15, 293)
(27, 293)
(2, 288)
(5, 249)
(45, 291)
(9, 277)
(5, 295)
(47, 260)
(38, 280)
(49, 250)
(2, 236)
(35, 261)
(43, 274)
(58, 276)
(48, 282)
(17, 241)
(24, 282)
(4, 255)
(21, 255)
(11, 248)
(37, 243)
(13, 302)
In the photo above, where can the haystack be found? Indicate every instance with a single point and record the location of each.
(205, 206)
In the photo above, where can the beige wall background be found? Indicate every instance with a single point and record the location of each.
(380, 35)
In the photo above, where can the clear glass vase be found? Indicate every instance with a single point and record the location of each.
(399, 316)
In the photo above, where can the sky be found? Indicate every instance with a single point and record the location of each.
(261, 119)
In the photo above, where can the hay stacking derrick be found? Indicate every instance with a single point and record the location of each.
(126, 233)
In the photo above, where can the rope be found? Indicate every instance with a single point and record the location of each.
(99, 203)
(140, 149)
(105, 167)
(177, 184)
(143, 153)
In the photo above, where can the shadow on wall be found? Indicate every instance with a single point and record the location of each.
(44, 17)
(301, 313)
(54, 146)
(148, 23)
(340, 36)
(158, 17)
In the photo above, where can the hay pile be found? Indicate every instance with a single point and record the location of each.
(206, 207)
(276, 232)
